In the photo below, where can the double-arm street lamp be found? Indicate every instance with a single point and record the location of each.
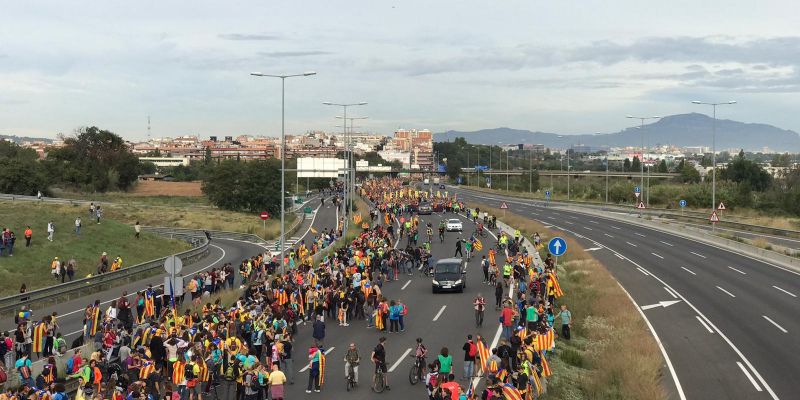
(641, 128)
(348, 187)
(714, 148)
(283, 152)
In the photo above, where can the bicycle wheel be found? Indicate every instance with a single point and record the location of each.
(349, 383)
(413, 374)
(378, 385)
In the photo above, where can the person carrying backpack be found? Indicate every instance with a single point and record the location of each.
(470, 352)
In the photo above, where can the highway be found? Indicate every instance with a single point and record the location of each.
(730, 328)
(70, 313)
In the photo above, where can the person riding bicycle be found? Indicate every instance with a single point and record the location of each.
(351, 360)
(420, 352)
(429, 231)
(379, 359)
(441, 230)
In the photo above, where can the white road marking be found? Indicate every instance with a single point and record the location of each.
(573, 217)
(750, 377)
(404, 286)
(668, 244)
(775, 323)
(587, 228)
(688, 270)
(657, 255)
(642, 271)
(631, 244)
(397, 363)
(439, 314)
(550, 218)
(727, 292)
(567, 222)
(608, 235)
(699, 255)
(737, 270)
(671, 293)
(309, 364)
(672, 372)
(639, 234)
(705, 325)
(615, 227)
(594, 222)
(619, 256)
(785, 291)
(493, 345)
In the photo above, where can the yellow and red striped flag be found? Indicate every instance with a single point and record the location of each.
(510, 392)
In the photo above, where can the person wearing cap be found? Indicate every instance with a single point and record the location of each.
(352, 359)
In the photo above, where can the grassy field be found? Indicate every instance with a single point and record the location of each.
(32, 265)
(612, 355)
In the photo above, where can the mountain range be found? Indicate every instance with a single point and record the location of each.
(680, 130)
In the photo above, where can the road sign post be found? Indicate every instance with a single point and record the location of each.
(264, 217)
(682, 203)
(557, 247)
(714, 218)
(547, 196)
(504, 207)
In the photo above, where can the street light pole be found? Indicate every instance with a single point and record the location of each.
(350, 173)
(714, 149)
(641, 160)
(283, 154)
(508, 151)
(350, 141)
(606, 176)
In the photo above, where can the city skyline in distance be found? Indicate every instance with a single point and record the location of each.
(568, 68)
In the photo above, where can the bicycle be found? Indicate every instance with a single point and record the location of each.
(351, 378)
(417, 370)
(378, 381)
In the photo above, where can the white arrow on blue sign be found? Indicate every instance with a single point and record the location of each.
(682, 203)
(637, 190)
(557, 246)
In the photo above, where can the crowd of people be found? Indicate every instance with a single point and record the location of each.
(191, 346)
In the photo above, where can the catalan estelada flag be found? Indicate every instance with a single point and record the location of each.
(321, 367)
(556, 287)
(483, 353)
(149, 304)
(478, 245)
(93, 323)
(510, 392)
(39, 336)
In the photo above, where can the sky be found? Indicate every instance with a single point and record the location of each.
(555, 66)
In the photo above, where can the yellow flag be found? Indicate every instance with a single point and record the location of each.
(314, 231)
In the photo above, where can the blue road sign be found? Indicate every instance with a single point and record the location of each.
(636, 189)
(682, 203)
(557, 246)
(547, 194)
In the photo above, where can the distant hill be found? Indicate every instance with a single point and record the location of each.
(681, 130)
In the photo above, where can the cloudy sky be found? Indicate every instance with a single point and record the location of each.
(559, 66)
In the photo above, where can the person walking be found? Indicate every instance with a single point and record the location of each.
(28, 236)
(470, 352)
(51, 230)
(78, 226)
(137, 229)
(319, 330)
(480, 306)
(566, 321)
(458, 248)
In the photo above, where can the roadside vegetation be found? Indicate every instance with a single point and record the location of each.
(31, 266)
(612, 354)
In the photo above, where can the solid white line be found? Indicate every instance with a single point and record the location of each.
(670, 292)
(567, 222)
(668, 244)
(608, 235)
(573, 217)
(397, 363)
(439, 314)
(587, 228)
(619, 256)
(785, 291)
(404, 286)
(642, 271)
(309, 364)
(739, 271)
(639, 234)
(672, 372)
(708, 328)
(729, 293)
(615, 227)
(594, 222)
(657, 255)
(631, 244)
(775, 323)
(493, 345)
(550, 218)
(699, 255)
(688, 270)
(750, 377)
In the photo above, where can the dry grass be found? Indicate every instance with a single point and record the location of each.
(162, 188)
(612, 354)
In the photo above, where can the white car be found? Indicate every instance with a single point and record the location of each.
(454, 225)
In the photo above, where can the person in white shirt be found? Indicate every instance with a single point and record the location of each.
(78, 226)
(51, 229)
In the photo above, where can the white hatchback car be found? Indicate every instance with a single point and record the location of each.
(454, 225)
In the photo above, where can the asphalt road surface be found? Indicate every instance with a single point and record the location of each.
(442, 319)
(222, 251)
(731, 329)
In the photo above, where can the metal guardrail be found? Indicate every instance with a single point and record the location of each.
(100, 282)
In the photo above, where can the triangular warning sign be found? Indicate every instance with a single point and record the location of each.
(640, 205)
(721, 206)
(504, 206)
(714, 217)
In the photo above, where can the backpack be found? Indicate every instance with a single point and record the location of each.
(434, 381)
(473, 349)
(70, 364)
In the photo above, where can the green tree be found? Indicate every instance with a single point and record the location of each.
(781, 160)
(626, 165)
(245, 186)
(453, 168)
(148, 168)
(207, 156)
(636, 165)
(689, 174)
(744, 171)
(94, 159)
(662, 167)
